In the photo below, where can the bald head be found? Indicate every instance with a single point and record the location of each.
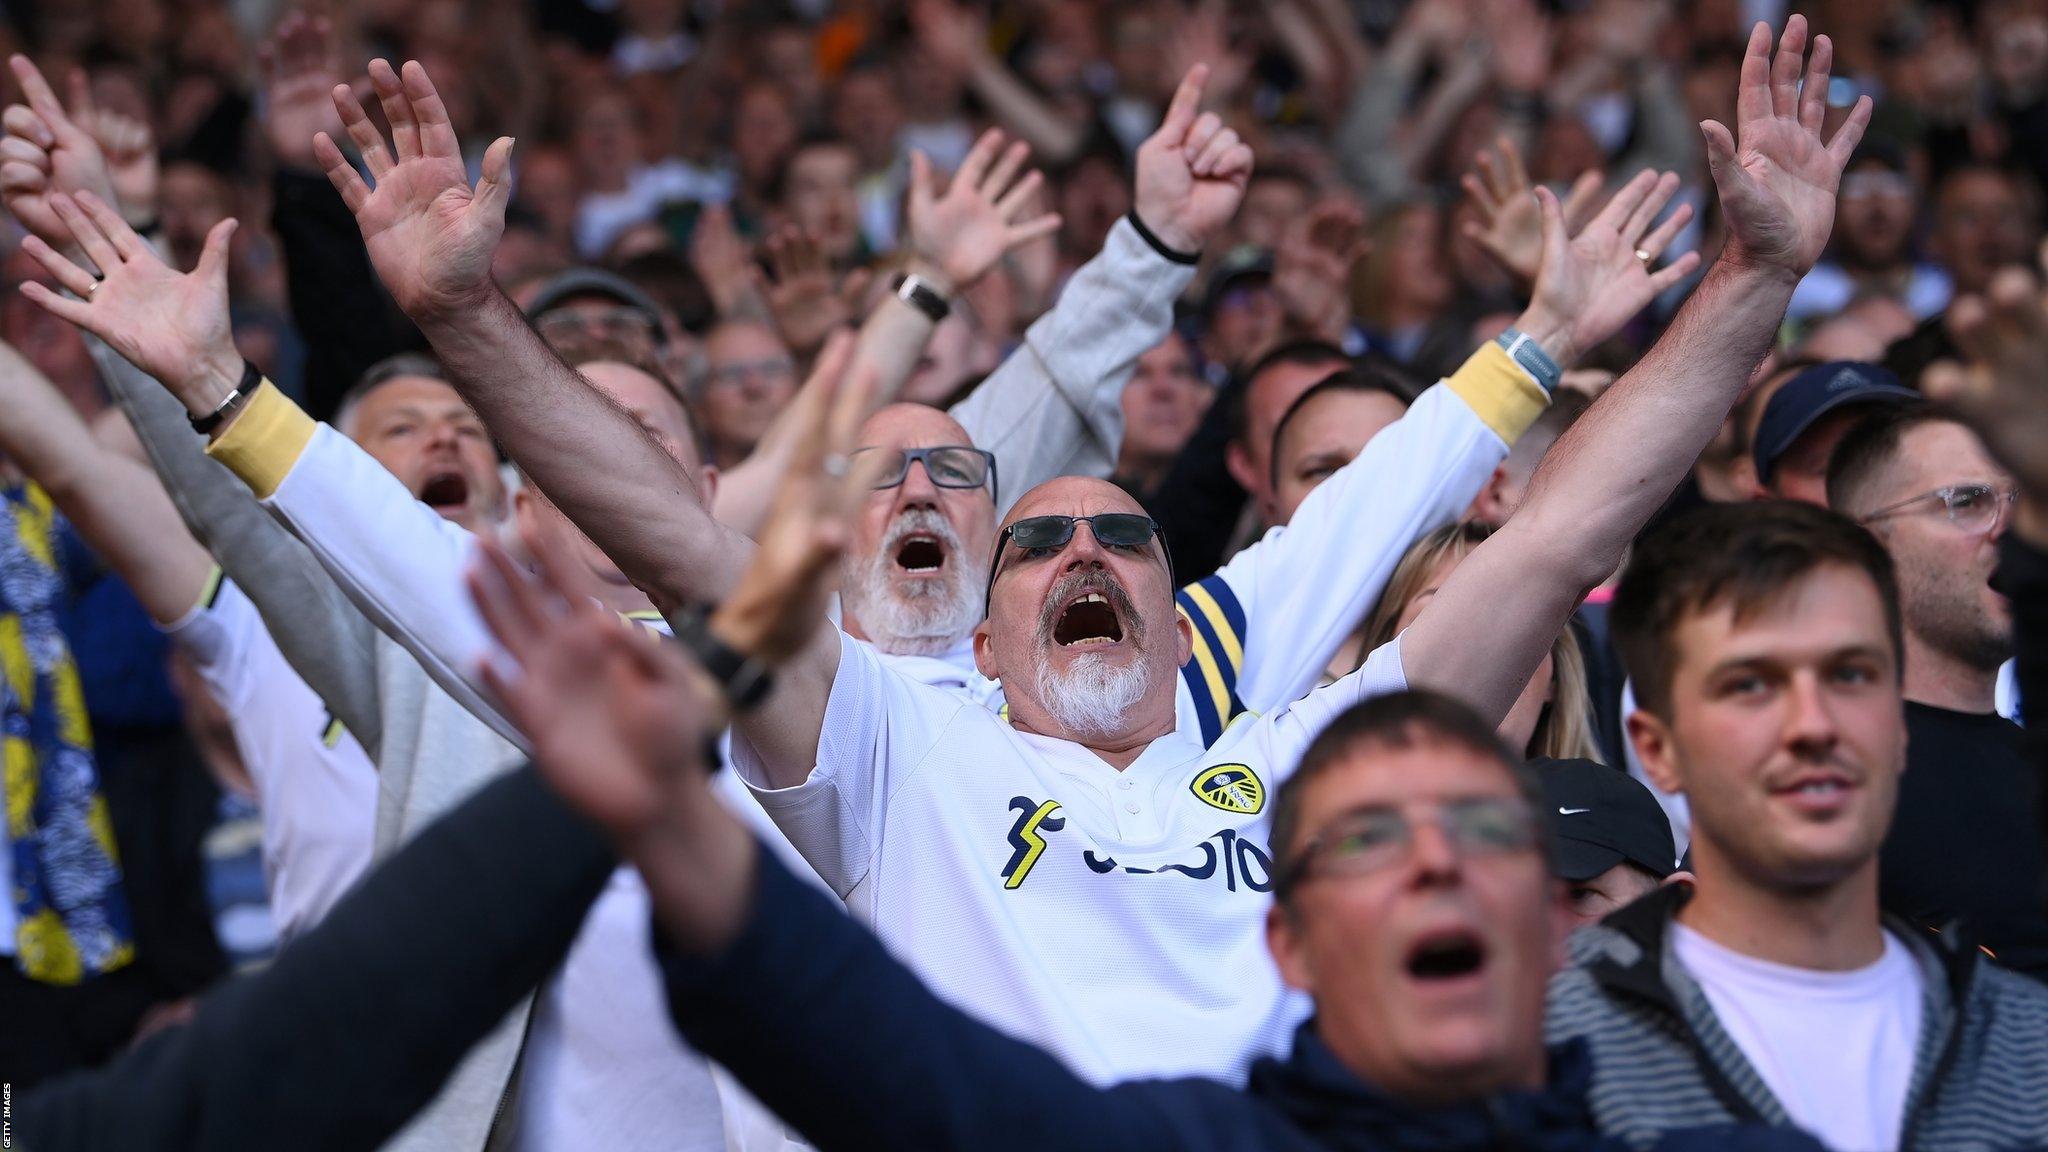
(1084, 634)
(911, 426)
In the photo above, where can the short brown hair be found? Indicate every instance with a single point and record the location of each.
(1400, 720)
(1868, 450)
(1742, 555)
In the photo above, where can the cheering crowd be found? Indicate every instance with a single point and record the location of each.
(1451, 575)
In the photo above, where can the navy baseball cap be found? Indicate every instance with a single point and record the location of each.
(565, 286)
(1602, 817)
(1814, 393)
(1240, 269)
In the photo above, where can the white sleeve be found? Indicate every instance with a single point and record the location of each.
(398, 560)
(1268, 623)
(219, 633)
(1297, 724)
(1055, 406)
(879, 728)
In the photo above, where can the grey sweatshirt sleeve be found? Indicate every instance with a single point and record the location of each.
(329, 642)
(1055, 407)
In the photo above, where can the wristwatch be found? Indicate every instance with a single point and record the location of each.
(918, 292)
(745, 680)
(236, 397)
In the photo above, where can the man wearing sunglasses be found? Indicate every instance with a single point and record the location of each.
(1925, 486)
(1086, 872)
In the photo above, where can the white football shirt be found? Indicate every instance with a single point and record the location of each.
(1115, 919)
(315, 786)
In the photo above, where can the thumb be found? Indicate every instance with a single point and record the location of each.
(1552, 213)
(494, 186)
(1728, 175)
(920, 180)
(213, 259)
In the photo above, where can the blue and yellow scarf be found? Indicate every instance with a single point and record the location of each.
(73, 916)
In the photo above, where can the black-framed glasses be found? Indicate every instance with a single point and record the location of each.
(1043, 535)
(1970, 507)
(947, 465)
(1371, 839)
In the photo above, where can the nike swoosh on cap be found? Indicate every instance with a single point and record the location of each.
(1572, 811)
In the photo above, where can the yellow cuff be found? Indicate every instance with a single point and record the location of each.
(265, 441)
(1496, 389)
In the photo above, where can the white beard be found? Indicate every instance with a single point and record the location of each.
(1092, 695)
(915, 617)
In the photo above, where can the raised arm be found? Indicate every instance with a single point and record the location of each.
(1055, 406)
(1302, 589)
(430, 236)
(114, 502)
(1488, 628)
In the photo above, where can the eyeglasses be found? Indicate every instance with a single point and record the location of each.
(948, 466)
(1970, 507)
(769, 371)
(1376, 838)
(1044, 535)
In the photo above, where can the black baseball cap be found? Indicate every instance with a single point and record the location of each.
(1814, 393)
(1603, 817)
(568, 285)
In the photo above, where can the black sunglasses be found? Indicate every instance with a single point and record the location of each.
(1043, 534)
(948, 466)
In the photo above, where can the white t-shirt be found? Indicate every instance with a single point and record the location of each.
(1113, 918)
(1835, 1048)
(315, 786)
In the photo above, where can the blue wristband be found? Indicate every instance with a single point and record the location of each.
(1525, 351)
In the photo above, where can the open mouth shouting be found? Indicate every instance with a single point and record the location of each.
(1446, 956)
(920, 554)
(446, 491)
(1087, 621)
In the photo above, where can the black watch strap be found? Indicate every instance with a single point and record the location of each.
(746, 681)
(252, 379)
(918, 292)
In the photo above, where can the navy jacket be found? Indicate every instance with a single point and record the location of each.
(842, 1041)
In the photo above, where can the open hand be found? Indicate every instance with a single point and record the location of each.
(1776, 178)
(807, 301)
(430, 235)
(2003, 394)
(1510, 224)
(46, 152)
(963, 233)
(1591, 284)
(615, 716)
(172, 325)
(299, 72)
(1192, 172)
(1312, 268)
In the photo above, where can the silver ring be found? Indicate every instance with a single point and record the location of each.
(97, 281)
(836, 466)
(1645, 257)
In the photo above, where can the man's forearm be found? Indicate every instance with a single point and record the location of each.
(591, 458)
(1500, 611)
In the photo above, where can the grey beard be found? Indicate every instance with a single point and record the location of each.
(920, 617)
(1092, 696)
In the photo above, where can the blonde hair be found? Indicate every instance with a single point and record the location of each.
(1565, 730)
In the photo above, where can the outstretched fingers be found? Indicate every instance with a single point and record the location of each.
(69, 275)
(975, 167)
(1006, 169)
(368, 141)
(1753, 91)
(340, 173)
(1785, 67)
(1813, 91)
(405, 126)
(437, 132)
(91, 240)
(1850, 133)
